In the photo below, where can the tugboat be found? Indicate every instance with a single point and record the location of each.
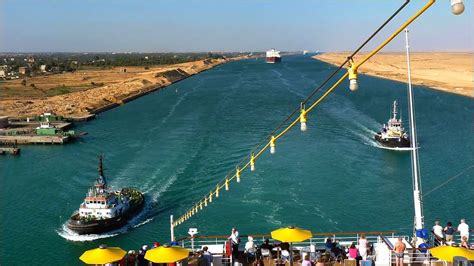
(393, 134)
(104, 210)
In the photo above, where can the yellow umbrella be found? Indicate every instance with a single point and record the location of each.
(291, 234)
(102, 255)
(447, 253)
(166, 254)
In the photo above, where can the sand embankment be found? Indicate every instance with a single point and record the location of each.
(450, 72)
(116, 87)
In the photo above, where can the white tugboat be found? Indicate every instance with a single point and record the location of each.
(104, 210)
(393, 134)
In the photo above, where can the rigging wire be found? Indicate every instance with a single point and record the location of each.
(448, 180)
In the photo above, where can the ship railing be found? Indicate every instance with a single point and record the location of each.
(415, 256)
(317, 242)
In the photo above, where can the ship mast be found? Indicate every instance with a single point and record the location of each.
(415, 166)
(101, 180)
(394, 112)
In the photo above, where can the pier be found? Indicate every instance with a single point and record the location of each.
(9, 150)
(32, 139)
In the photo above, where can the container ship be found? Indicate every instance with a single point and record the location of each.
(104, 210)
(273, 56)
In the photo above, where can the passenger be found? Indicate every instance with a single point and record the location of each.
(266, 245)
(463, 229)
(306, 261)
(353, 251)
(202, 261)
(464, 243)
(329, 244)
(235, 241)
(363, 247)
(449, 232)
(399, 251)
(207, 255)
(131, 258)
(250, 248)
(285, 246)
(141, 258)
(438, 232)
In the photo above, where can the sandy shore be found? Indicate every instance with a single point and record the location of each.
(450, 72)
(116, 87)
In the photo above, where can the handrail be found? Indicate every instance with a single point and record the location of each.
(389, 245)
(314, 234)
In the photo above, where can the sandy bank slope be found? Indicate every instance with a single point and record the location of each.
(116, 92)
(450, 72)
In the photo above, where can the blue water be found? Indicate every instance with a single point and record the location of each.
(177, 143)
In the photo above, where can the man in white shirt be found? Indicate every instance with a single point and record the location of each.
(463, 229)
(438, 231)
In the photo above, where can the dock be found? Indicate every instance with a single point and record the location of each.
(33, 124)
(9, 150)
(34, 139)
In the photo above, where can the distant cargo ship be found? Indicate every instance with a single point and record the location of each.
(273, 56)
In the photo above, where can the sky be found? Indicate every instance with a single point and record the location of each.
(223, 25)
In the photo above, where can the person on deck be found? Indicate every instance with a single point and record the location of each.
(306, 261)
(266, 245)
(353, 253)
(266, 248)
(464, 243)
(399, 251)
(463, 229)
(235, 241)
(250, 247)
(329, 244)
(449, 232)
(132, 257)
(363, 247)
(202, 261)
(438, 232)
(207, 255)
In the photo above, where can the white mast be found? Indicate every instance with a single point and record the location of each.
(415, 166)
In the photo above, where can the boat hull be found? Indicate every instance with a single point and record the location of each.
(392, 142)
(83, 226)
(273, 60)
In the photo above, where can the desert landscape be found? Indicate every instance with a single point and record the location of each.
(85, 92)
(449, 72)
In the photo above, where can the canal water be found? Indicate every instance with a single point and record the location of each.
(176, 144)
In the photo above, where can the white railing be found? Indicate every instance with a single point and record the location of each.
(412, 257)
(319, 240)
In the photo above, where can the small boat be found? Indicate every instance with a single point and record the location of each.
(393, 134)
(104, 210)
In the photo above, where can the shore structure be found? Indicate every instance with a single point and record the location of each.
(120, 88)
(37, 131)
(449, 72)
